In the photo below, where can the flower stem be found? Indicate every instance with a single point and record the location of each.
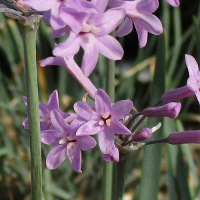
(108, 167)
(120, 171)
(29, 39)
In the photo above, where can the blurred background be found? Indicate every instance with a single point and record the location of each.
(142, 76)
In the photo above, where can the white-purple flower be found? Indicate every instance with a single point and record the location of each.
(94, 38)
(139, 13)
(66, 143)
(45, 110)
(103, 119)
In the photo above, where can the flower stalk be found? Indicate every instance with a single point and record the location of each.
(29, 40)
(108, 166)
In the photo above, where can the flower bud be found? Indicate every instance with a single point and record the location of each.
(184, 137)
(170, 110)
(144, 134)
(177, 94)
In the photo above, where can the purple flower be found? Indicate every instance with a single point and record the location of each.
(174, 3)
(170, 110)
(103, 118)
(184, 137)
(45, 110)
(193, 81)
(66, 143)
(94, 39)
(74, 70)
(140, 14)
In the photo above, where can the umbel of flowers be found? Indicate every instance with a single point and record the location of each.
(70, 133)
(88, 25)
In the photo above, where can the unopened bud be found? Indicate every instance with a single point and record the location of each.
(170, 110)
(184, 137)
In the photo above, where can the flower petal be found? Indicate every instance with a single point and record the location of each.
(85, 110)
(102, 102)
(121, 108)
(106, 141)
(68, 48)
(53, 101)
(118, 128)
(142, 34)
(51, 137)
(56, 156)
(59, 123)
(192, 65)
(90, 57)
(74, 155)
(109, 20)
(174, 3)
(40, 5)
(52, 61)
(125, 28)
(110, 47)
(86, 142)
(90, 128)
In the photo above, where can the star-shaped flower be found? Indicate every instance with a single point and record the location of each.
(66, 143)
(103, 119)
(45, 110)
(140, 14)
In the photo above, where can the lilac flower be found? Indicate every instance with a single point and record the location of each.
(174, 3)
(74, 70)
(184, 137)
(140, 14)
(103, 118)
(66, 143)
(45, 110)
(170, 110)
(193, 81)
(94, 39)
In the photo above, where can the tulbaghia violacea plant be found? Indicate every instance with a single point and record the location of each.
(118, 126)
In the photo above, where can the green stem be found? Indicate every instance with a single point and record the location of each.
(120, 171)
(29, 39)
(108, 167)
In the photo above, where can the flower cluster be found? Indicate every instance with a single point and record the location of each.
(88, 25)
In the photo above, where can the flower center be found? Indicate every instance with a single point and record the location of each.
(105, 119)
(67, 140)
(88, 28)
(46, 118)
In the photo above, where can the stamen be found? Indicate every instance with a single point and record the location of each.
(63, 141)
(108, 122)
(105, 115)
(101, 122)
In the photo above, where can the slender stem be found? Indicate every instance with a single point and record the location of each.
(108, 167)
(29, 39)
(120, 170)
